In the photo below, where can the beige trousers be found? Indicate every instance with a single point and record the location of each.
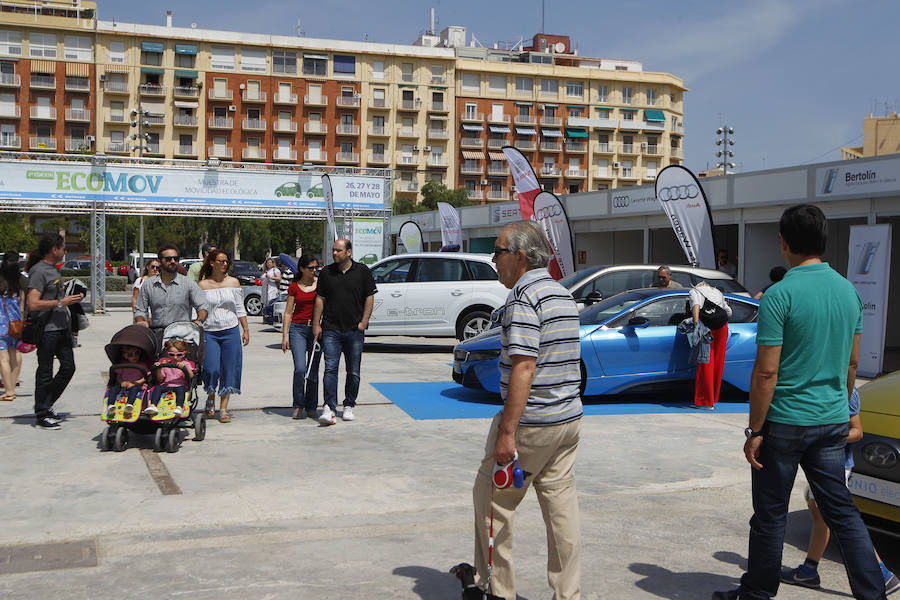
(548, 453)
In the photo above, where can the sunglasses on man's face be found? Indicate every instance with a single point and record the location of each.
(170, 258)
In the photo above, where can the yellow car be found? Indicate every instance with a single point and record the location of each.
(875, 484)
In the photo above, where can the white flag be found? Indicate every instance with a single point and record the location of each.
(683, 200)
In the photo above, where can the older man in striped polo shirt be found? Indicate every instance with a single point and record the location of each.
(541, 416)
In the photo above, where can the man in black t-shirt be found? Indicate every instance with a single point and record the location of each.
(345, 295)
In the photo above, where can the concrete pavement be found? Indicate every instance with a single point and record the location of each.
(380, 507)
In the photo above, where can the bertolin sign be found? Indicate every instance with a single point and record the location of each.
(856, 177)
(624, 202)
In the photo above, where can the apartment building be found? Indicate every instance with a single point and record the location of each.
(881, 135)
(437, 109)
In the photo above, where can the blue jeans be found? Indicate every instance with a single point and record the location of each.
(820, 451)
(223, 362)
(350, 344)
(301, 339)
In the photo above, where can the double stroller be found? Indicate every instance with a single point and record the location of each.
(128, 410)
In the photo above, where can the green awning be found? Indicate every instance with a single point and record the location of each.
(412, 85)
(153, 70)
(576, 133)
(654, 115)
(155, 47)
(628, 109)
(524, 103)
(185, 73)
(185, 49)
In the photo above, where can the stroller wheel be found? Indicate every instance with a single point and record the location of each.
(199, 426)
(106, 439)
(173, 440)
(159, 441)
(121, 440)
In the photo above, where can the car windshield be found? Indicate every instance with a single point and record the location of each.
(603, 310)
(729, 286)
(570, 281)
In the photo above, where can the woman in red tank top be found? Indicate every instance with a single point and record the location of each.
(297, 337)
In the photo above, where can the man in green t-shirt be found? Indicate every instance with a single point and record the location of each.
(807, 351)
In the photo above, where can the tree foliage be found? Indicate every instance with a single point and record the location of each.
(432, 193)
(17, 232)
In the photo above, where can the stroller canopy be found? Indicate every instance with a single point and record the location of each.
(133, 335)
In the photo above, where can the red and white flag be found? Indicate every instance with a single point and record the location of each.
(527, 186)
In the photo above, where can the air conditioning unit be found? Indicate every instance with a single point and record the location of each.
(540, 107)
(415, 148)
(643, 144)
(512, 188)
(427, 148)
(232, 108)
(90, 139)
(418, 102)
(616, 165)
(102, 76)
(357, 95)
(484, 182)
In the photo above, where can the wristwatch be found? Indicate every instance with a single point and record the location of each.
(752, 434)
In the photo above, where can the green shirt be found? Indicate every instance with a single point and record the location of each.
(812, 314)
(194, 270)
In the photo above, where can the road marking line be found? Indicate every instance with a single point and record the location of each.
(160, 473)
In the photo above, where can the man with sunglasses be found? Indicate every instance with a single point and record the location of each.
(169, 296)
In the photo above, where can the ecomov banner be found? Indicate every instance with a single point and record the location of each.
(684, 202)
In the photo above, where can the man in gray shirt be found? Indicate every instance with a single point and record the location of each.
(169, 296)
(45, 302)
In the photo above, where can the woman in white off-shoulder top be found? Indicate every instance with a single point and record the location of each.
(223, 360)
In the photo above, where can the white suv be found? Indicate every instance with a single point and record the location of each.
(435, 294)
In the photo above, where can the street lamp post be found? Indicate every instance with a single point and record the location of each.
(725, 140)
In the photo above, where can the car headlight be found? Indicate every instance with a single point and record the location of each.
(460, 355)
(879, 455)
(483, 355)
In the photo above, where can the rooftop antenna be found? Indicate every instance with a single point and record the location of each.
(543, 11)
(300, 32)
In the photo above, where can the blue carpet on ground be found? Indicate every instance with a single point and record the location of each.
(447, 400)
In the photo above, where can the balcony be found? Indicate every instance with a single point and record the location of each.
(221, 94)
(343, 129)
(410, 105)
(185, 120)
(221, 122)
(552, 121)
(575, 173)
(10, 142)
(525, 144)
(115, 87)
(10, 80)
(472, 116)
(315, 156)
(348, 101)
(438, 134)
(155, 120)
(408, 132)
(497, 196)
(43, 82)
(496, 143)
(215, 151)
(525, 120)
(604, 148)
(503, 119)
(630, 149)
(10, 111)
(475, 169)
(42, 113)
(315, 127)
(315, 100)
(440, 107)
(253, 153)
(551, 146)
(151, 89)
(631, 124)
(78, 114)
(154, 148)
(409, 160)
(471, 143)
(628, 174)
(117, 147)
(186, 91)
(438, 79)
(284, 155)
(498, 171)
(651, 150)
(379, 131)
(115, 117)
(284, 126)
(42, 143)
(676, 153)
(346, 157)
(253, 124)
(549, 172)
(185, 150)
(76, 144)
(408, 186)
(474, 194)
(603, 173)
(576, 147)
(280, 98)
(379, 159)
(654, 126)
(254, 97)
(678, 129)
(379, 103)
(78, 84)
(436, 160)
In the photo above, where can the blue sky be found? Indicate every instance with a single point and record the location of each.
(795, 78)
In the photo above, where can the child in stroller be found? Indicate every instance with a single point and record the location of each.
(130, 351)
(173, 373)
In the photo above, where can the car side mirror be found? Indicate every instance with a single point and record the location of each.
(593, 298)
(638, 322)
(497, 317)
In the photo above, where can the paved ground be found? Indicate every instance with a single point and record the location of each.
(381, 507)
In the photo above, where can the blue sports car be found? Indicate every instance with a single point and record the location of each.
(628, 342)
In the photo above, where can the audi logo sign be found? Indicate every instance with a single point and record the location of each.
(548, 212)
(621, 201)
(678, 192)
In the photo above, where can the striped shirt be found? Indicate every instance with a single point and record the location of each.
(541, 320)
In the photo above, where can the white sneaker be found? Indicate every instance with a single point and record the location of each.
(327, 417)
(179, 412)
(151, 410)
(348, 415)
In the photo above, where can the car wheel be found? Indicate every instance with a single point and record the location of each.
(472, 324)
(278, 194)
(253, 305)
